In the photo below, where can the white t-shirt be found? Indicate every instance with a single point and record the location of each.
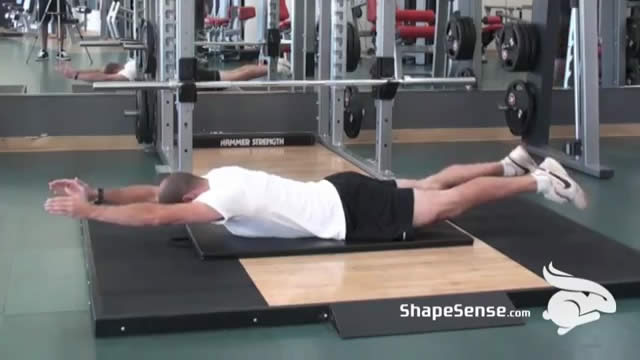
(130, 70)
(257, 204)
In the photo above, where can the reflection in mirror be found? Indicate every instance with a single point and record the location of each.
(231, 37)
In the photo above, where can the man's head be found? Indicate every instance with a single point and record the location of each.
(181, 187)
(113, 68)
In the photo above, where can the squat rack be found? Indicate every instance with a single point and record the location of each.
(177, 155)
(175, 80)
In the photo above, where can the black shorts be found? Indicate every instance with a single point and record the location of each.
(43, 12)
(208, 75)
(375, 210)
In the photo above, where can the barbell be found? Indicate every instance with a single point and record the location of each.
(145, 115)
(174, 85)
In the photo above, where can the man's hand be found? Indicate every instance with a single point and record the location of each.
(74, 204)
(72, 187)
(67, 71)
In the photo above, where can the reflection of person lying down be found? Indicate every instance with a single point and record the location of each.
(129, 72)
(344, 206)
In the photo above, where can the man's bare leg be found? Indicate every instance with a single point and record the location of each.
(44, 36)
(550, 180)
(453, 176)
(431, 206)
(517, 163)
(244, 73)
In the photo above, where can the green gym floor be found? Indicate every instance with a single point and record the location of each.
(43, 290)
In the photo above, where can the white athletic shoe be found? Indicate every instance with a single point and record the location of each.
(560, 188)
(62, 56)
(42, 56)
(519, 163)
(284, 67)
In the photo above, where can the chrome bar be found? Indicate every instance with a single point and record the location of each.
(124, 85)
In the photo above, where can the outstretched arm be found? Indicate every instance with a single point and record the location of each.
(144, 214)
(99, 76)
(89, 75)
(122, 196)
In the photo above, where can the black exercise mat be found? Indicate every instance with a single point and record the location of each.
(137, 275)
(534, 236)
(383, 317)
(214, 242)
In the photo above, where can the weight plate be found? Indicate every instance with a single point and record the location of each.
(508, 48)
(354, 112)
(523, 49)
(353, 48)
(453, 38)
(520, 107)
(633, 36)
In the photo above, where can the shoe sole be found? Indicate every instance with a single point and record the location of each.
(553, 166)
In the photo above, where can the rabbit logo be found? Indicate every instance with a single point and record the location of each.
(578, 302)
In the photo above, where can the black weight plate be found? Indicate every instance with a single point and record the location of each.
(464, 40)
(522, 38)
(520, 107)
(354, 112)
(452, 38)
(472, 37)
(531, 92)
(151, 63)
(633, 36)
(508, 48)
(353, 48)
(633, 71)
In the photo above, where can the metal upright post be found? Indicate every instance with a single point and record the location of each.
(421, 43)
(385, 45)
(589, 86)
(338, 67)
(546, 17)
(310, 36)
(298, 39)
(166, 71)
(439, 41)
(613, 16)
(584, 154)
(324, 69)
(473, 9)
(273, 22)
(185, 50)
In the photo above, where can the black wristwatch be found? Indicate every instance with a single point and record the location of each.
(100, 199)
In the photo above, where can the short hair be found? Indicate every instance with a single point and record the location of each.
(176, 186)
(113, 68)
